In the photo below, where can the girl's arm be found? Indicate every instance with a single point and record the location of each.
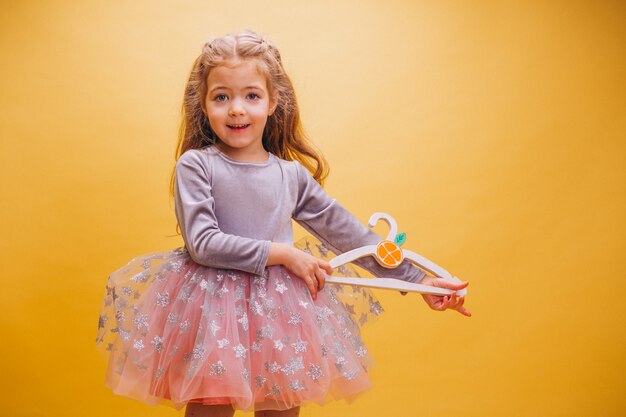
(339, 230)
(306, 267)
(206, 243)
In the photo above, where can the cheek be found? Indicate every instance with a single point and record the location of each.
(214, 114)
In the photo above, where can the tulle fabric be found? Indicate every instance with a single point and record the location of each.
(179, 332)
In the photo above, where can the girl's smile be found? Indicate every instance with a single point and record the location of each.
(237, 105)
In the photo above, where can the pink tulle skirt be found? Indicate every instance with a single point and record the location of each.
(177, 332)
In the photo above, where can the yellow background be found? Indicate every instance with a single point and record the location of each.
(494, 132)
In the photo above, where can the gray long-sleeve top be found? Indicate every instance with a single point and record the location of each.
(230, 211)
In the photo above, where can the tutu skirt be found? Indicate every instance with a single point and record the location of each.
(177, 332)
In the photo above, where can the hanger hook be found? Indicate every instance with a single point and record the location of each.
(393, 226)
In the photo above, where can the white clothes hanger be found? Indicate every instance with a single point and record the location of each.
(389, 255)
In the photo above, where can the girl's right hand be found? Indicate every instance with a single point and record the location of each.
(440, 303)
(306, 267)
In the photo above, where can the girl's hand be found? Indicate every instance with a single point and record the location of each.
(306, 267)
(443, 302)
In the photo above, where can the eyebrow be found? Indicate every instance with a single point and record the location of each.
(250, 87)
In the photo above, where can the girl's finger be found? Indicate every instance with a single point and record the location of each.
(321, 279)
(464, 311)
(312, 287)
(444, 283)
(454, 302)
(326, 267)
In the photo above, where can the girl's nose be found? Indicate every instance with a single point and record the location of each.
(236, 108)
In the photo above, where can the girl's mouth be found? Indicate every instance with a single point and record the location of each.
(238, 127)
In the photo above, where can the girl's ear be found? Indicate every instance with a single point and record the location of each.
(203, 107)
(273, 103)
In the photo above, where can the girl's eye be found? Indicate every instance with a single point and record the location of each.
(253, 96)
(220, 97)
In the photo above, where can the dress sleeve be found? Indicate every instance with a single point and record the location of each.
(195, 212)
(339, 230)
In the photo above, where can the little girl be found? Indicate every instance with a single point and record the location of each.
(239, 318)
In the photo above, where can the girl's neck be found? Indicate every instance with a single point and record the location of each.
(241, 155)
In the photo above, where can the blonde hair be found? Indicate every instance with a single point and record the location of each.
(283, 134)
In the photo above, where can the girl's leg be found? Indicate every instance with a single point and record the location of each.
(199, 410)
(292, 412)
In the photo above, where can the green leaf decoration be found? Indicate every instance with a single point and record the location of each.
(400, 239)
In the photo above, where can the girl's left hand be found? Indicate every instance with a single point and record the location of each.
(444, 302)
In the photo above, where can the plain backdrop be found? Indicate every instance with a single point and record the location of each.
(494, 133)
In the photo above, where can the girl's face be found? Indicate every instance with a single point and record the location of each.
(237, 105)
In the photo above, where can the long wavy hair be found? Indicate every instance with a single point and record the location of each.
(283, 134)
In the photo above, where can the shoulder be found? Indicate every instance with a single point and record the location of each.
(195, 162)
(295, 170)
(194, 155)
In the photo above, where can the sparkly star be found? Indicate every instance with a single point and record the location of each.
(299, 346)
(350, 309)
(265, 331)
(278, 344)
(307, 248)
(159, 372)
(272, 367)
(172, 318)
(110, 291)
(240, 292)
(340, 362)
(217, 369)
(138, 344)
(257, 308)
(214, 327)
(125, 335)
(223, 290)
(281, 287)
(315, 372)
(198, 352)
(184, 326)
(350, 374)
(141, 320)
(325, 350)
(260, 380)
(323, 250)
(295, 319)
(303, 304)
(295, 385)
(268, 303)
(275, 390)
(294, 365)
(376, 308)
(361, 351)
(158, 343)
(244, 321)
(222, 343)
(141, 277)
(324, 312)
(163, 299)
(240, 351)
